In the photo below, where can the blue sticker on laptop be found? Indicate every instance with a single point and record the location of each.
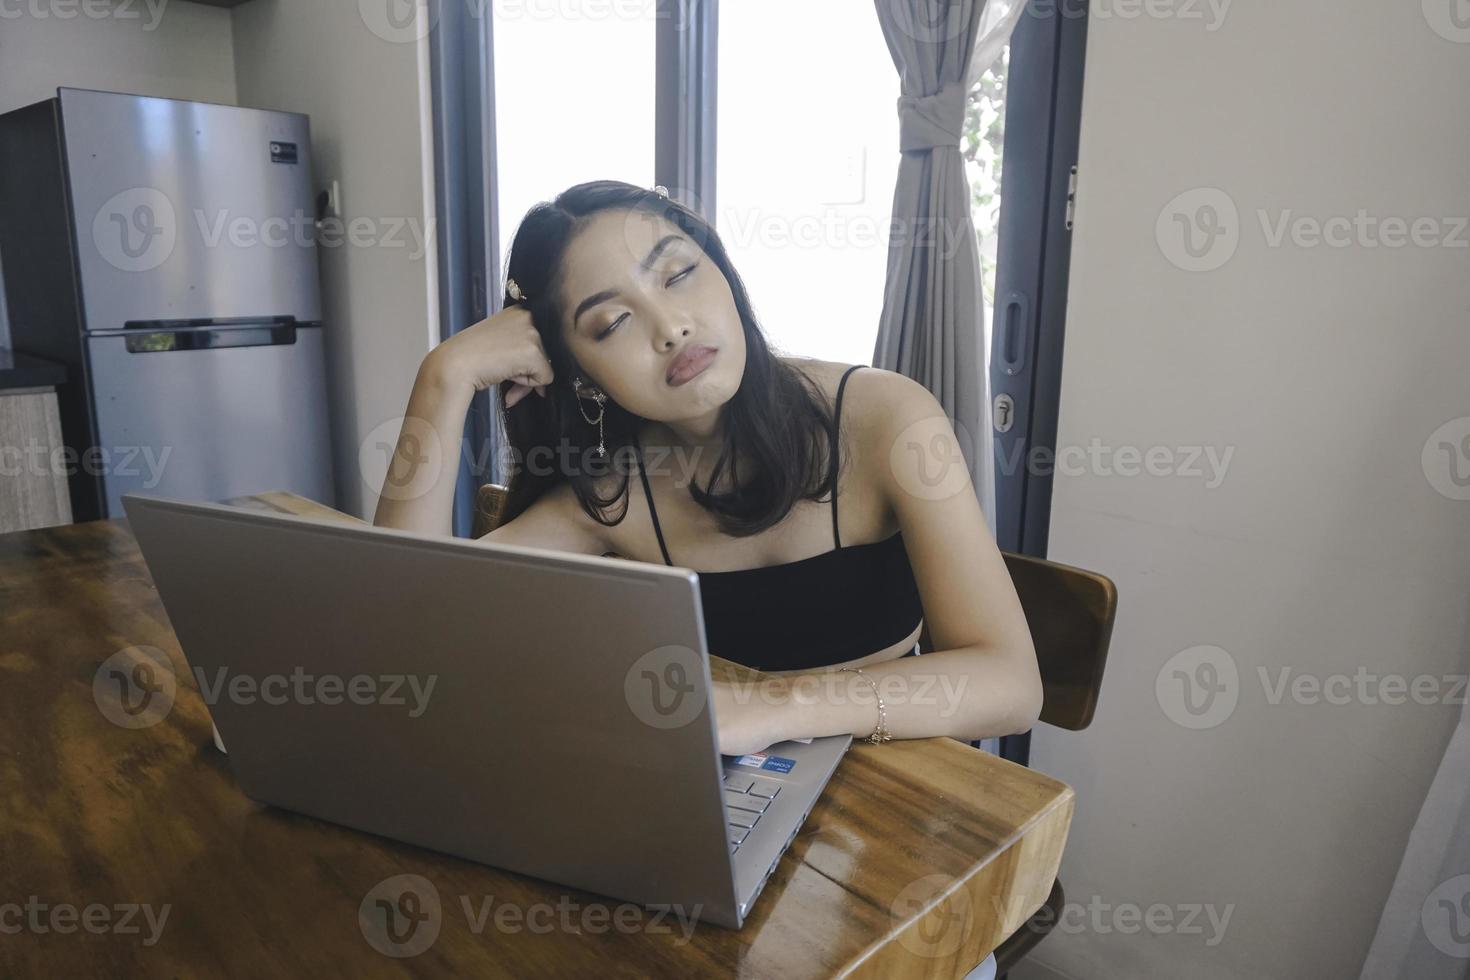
(771, 763)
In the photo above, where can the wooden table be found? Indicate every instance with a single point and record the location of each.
(920, 857)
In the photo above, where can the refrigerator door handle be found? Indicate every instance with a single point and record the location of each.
(163, 336)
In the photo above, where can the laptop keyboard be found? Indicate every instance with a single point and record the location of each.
(746, 798)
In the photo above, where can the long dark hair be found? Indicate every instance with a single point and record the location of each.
(778, 420)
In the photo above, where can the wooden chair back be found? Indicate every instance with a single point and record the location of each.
(1070, 612)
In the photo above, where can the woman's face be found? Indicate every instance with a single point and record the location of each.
(642, 300)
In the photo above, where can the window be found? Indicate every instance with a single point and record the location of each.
(807, 158)
(981, 146)
(574, 101)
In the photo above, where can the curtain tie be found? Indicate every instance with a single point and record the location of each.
(926, 121)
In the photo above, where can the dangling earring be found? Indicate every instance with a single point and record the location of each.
(601, 400)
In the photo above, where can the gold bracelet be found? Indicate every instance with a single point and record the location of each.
(880, 733)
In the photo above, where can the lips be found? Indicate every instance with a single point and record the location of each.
(690, 362)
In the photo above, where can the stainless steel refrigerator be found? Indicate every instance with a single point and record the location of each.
(164, 250)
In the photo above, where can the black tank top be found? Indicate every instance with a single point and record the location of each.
(827, 609)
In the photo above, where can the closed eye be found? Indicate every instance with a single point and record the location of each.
(618, 322)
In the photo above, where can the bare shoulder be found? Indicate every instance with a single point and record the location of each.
(554, 521)
(876, 404)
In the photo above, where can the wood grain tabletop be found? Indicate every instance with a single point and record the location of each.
(127, 849)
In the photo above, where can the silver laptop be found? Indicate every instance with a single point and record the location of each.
(538, 711)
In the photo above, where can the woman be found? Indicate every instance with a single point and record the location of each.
(626, 320)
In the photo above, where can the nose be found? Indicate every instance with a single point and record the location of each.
(669, 330)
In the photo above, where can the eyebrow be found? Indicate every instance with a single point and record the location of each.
(607, 294)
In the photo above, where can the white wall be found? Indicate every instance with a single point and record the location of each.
(181, 51)
(371, 131)
(173, 50)
(1325, 548)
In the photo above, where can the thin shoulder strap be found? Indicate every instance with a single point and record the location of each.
(648, 495)
(836, 424)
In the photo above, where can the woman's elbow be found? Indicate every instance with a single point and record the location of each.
(1028, 700)
(1023, 698)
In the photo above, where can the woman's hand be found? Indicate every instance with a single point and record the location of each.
(747, 715)
(503, 346)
